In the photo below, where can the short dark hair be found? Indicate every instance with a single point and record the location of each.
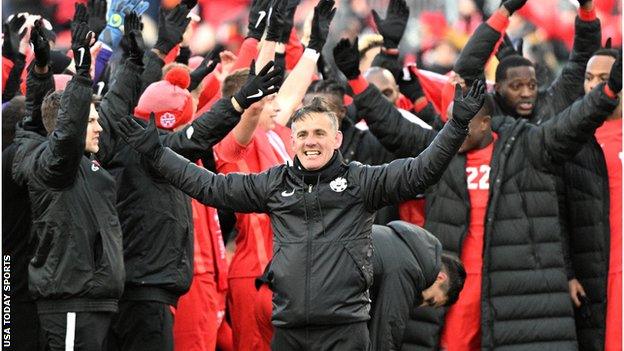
(12, 113)
(317, 105)
(327, 86)
(50, 108)
(607, 52)
(52, 104)
(454, 269)
(488, 106)
(233, 82)
(508, 62)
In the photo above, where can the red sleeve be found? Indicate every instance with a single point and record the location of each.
(587, 16)
(294, 50)
(6, 69)
(229, 150)
(358, 84)
(404, 103)
(247, 52)
(498, 21)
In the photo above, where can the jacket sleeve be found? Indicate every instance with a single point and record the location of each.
(236, 192)
(57, 164)
(205, 131)
(153, 69)
(569, 84)
(118, 102)
(564, 135)
(404, 179)
(37, 86)
(473, 57)
(12, 84)
(398, 135)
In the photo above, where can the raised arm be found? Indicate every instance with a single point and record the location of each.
(125, 87)
(404, 179)
(236, 192)
(59, 161)
(290, 95)
(569, 84)
(564, 135)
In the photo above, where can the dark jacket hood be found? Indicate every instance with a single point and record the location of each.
(423, 245)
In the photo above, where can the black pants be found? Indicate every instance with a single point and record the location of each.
(25, 334)
(351, 337)
(86, 331)
(141, 326)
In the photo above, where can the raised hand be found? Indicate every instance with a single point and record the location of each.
(258, 14)
(81, 44)
(132, 41)
(171, 28)
(291, 8)
(80, 15)
(96, 9)
(323, 14)
(347, 58)
(111, 35)
(513, 5)
(40, 43)
(259, 86)
(145, 141)
(465, 107)
(393, 27)
(10, 31)
(277, 21)
(615, 77)
(208, 64)
(409, 85)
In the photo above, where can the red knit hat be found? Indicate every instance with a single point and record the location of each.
(171, 103)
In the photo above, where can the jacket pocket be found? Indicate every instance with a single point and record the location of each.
(360, 254)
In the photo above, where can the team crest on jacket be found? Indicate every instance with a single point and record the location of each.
(338, 185)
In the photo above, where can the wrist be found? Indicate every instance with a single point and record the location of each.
(587, 15)
(311, 54)
(236, 105)
(499, 20)
(390, 51)
(358, 84)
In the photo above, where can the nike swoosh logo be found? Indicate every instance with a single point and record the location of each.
(258, 94)
(287, 194)
(100, 88)
(260, 18)
(82, 52)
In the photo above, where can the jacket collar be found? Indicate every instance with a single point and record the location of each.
(328, 172)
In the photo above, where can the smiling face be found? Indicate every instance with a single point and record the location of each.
(93, 132)
(314, 139)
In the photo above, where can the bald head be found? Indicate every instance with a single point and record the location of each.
(384, 81)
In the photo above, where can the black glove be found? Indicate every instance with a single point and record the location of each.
(40, 43)
(513, 5)
(466, 107)
(171, 27)
(145, 141)
(277, 21)
(258, 14)
(583, 2)
(132, 40)
(259, 86)
(80, 15)
(291, 8)
(507, 48)
(393, 26)
(10, 30)
(347, 58)
(615, 77)
(208, 65)
(409, 85)
(323, 14)
(189, 3)
(96, 9)
(80, 43)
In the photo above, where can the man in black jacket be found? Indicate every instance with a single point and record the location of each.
(521, 271)
(76, 273)
(410, 271)
(321, 212)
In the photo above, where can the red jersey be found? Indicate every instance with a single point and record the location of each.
(462, 326)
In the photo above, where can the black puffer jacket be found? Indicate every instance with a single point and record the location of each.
(78, 263)
(406, 261)
(155, 216)
(525, 298)
(321, 223)
(561, 93)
